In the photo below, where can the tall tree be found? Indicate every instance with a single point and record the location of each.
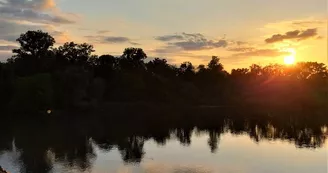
(34, 43)
(133, 58)
(75, 53)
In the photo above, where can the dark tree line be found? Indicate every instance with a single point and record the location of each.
(40, 77)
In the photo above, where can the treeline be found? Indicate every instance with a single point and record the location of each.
(40, 77)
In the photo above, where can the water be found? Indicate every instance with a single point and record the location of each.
(224, 145)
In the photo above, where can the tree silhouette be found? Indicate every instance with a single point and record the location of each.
(132, 58)
(34, 43)
(74, 53)
(80, 79)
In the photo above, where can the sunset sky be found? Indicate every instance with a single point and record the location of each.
(240, 32)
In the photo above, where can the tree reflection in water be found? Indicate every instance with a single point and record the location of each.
(44, 142)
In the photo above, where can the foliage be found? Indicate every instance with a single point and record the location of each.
(32, 94)
(39, 76)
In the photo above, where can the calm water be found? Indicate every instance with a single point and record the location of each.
(223, 145)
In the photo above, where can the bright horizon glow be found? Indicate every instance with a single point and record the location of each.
(289, 60)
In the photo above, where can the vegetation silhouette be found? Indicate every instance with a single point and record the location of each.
(40, 77)
(69, 100)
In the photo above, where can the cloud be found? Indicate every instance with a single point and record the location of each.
(309, 22)
(263, 52)
(192, 42)
(33, 4)
(110, 40)
(10, 31)
(169, 37)
(239, 43)
(32, 16)
(167, 50)
(103, 31)
(296, 34)
(241, 49)
(113, 39)
(37, 11)
(60, 36)
(7, 47)
(135, 44)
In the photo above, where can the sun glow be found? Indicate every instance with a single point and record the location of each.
(290, 59)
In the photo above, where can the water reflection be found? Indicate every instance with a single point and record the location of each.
(69, 142)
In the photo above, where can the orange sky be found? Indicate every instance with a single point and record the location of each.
(240, 33)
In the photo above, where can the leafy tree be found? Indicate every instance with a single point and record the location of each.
(255, 70)
(187, 71)
(34, 43)
(132, 59)
(74, 53)
(215, 65)
(240, 72)
(105, 66)
(161, 67)
(34, 55)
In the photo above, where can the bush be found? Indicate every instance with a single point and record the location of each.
(32, 94)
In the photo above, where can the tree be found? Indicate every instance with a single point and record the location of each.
(255, 70)
(240, 72)
(132, 58)
(107, 60)
(75, 53)
(33, 93)
(306, 70)
(160, 67)
(34, 55)
(105, 66)
(215, 65)
(135, 54)
(187, 71)
(34, 43)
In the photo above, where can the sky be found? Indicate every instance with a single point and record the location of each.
(239, 32)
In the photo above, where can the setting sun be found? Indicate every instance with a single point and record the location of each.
(289, 60)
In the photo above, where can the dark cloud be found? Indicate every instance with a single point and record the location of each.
(32, 15)
(10, 31)
(263, 52)
(169, 37)
(114, 39)
(192, 42)
(33, 11)
(297, 34)
(7, 47)
(33, 4)
(110, 39)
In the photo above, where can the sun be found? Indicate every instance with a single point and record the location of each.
(289, 60)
